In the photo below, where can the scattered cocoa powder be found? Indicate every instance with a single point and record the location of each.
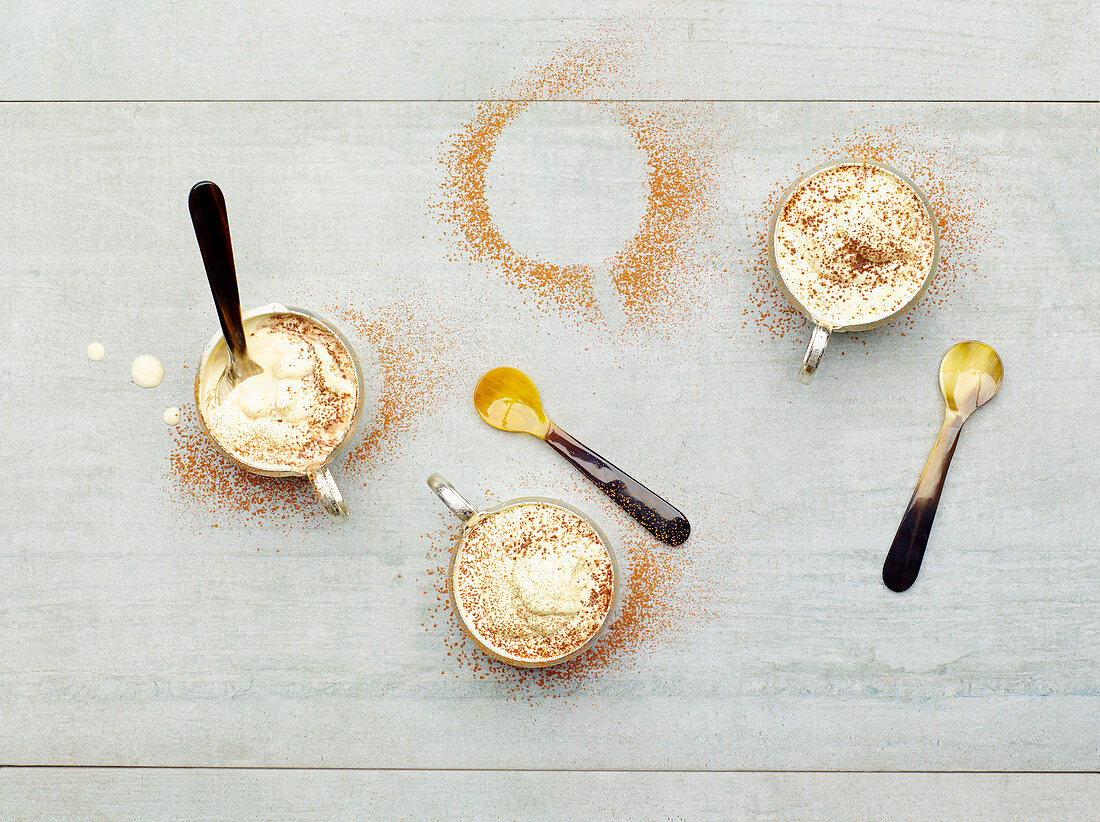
(645, 273)
(201, 479)
(649, 272)
(410, 347)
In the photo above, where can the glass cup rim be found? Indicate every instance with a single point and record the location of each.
(218, 339)
(491, 650)
(802, 180)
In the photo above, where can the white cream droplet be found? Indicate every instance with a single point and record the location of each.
(171, 416)
(95, 351)
(146, 371)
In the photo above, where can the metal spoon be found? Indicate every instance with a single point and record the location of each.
(507, 399)
(970, 374)
(211, 222)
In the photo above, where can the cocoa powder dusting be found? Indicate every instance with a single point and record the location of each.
(410, 349)
(500, 544)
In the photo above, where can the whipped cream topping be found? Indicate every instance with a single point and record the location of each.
(293, 414)
(533, 581)
(853, 244)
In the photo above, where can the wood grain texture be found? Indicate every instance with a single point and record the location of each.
(131, 632)
(46, 794)
(694, 49)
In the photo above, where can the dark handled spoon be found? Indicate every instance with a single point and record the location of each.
(207, 206)
(970, 374)
(507, 399)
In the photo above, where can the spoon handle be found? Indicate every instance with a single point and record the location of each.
(656, 514)
(207, 206)
(906, 552)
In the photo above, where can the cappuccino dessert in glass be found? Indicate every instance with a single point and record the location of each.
(854, 243)
(294, 414)
(533, 583)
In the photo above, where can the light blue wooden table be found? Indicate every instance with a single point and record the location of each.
(152, 666)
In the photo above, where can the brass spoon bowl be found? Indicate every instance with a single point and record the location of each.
(970, 374)
(507, 399)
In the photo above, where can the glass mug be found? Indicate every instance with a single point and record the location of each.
(819, 337)
(465, 512)
(215, 355)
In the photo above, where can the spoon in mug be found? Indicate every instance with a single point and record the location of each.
(207, 206)
(970, 374)
(507, 399)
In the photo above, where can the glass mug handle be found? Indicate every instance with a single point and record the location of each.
(331, 498)
(814, 351)
(451, 498)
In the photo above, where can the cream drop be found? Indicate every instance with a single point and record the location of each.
(171, 416)
(146, 371)
(95, 351)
